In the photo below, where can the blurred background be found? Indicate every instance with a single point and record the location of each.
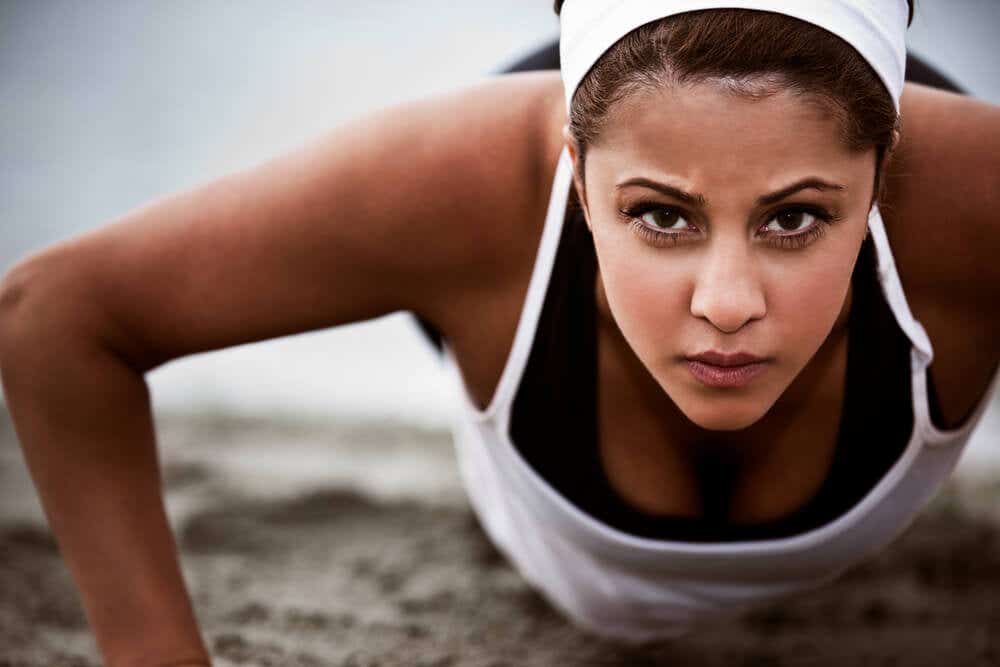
(106, 105)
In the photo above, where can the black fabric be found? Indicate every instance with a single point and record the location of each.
(554, 418)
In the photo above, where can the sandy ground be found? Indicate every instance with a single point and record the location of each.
(353, 546)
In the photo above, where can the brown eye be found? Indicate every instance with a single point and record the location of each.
(797, 227)
(791, 220)
(662, 218)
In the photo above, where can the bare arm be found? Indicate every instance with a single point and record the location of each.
(398, 210)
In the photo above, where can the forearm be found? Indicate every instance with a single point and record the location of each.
(83, 418)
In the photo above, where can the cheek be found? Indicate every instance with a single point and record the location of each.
(647, 296)
(804, 302)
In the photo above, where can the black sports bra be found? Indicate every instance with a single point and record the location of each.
(554, 416)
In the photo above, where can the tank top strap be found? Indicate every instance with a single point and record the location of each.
(892, 288)
(499, 407)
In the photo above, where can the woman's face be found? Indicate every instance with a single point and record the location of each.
(727, 224)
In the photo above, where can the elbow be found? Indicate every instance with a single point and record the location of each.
(42, 311)
(15, 287)
(14, 301)
(51, 305)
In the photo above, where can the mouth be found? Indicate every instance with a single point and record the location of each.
(716, 369)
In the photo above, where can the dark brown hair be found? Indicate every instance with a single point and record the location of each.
(757, 53)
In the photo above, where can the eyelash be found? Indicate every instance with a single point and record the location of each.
(794, 241)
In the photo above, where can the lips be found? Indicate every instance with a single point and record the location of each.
(719, 359)
(716, 369)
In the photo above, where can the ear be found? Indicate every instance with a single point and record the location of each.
(882, 168)
(581, 194)
(896, 134)
(890, 150)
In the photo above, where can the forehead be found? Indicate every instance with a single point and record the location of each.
(705, 128)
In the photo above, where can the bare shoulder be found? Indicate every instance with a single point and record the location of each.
(470, 166)
(941, 213)
(504, 143)
(942, 193)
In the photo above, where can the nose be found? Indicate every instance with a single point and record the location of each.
(728, 291)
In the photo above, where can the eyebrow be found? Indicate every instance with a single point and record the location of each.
(697, 199)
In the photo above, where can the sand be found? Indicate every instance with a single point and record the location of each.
(353, 545)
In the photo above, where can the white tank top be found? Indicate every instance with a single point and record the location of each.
(637, 589)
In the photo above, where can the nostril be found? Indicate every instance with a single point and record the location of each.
(728, 291)
(728, 310)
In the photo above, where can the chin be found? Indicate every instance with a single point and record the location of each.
(724, 420)
(718, 413)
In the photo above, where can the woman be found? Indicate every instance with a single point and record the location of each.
(703, 388)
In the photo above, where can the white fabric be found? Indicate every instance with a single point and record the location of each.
(875, 28)
(637, 589)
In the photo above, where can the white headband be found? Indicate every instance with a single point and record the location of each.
(875, 28)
